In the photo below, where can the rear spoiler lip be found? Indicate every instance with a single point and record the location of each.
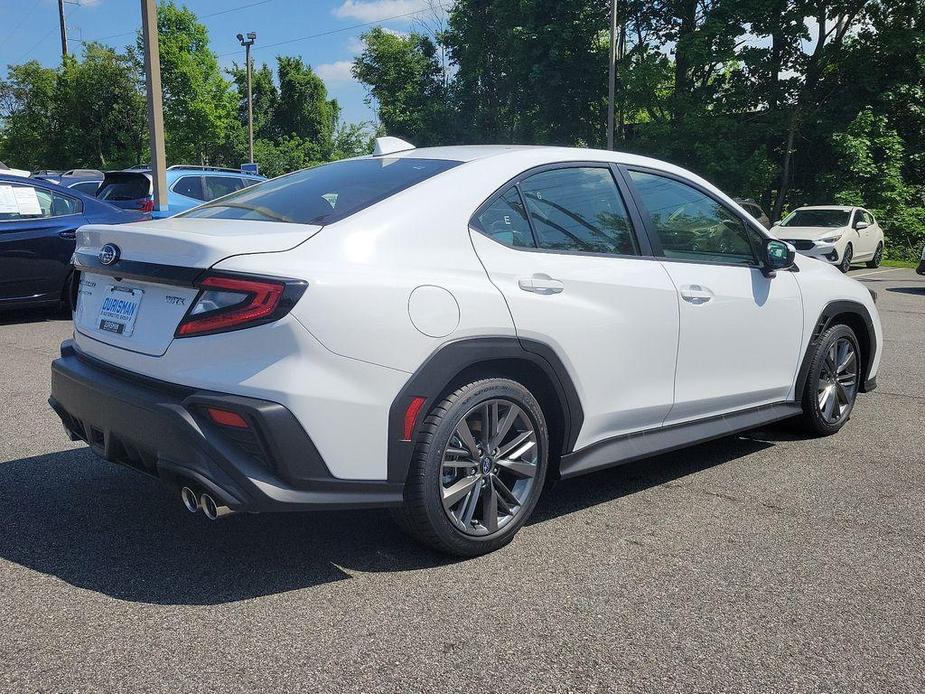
(176, 275)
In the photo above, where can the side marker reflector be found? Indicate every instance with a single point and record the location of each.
(411, 417)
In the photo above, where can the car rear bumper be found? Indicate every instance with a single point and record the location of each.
(163, 430)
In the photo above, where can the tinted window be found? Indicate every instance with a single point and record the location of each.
(217, 186)
(816, 218)
(324, 194)
(578, 209)
(190, 186)
(87, 187)
(30, 202)
(505, 220)
(123, 185)
(690, 224)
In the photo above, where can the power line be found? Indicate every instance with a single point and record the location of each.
(332, 31)
(54, 28)
(22, 21)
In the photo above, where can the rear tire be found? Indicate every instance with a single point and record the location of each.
(833, 381)
(878, 257)
(846, 259)
(472, 486)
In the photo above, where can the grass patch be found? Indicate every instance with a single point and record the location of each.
(899, 263)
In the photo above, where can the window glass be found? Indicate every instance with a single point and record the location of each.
(867, 217)
(505, 220)
(190, 186)
(217, 186)
(692, 225)
(19, 202)
(87, 187)
(124, 185)
(579, 209)
(830, 219)
(324, 194)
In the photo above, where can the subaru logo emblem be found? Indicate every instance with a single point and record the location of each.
(109, 254)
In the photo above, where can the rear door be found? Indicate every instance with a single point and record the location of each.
(130, 190)
(562, 248)
(740, 331)
(37, 227)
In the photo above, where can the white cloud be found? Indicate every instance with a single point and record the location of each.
(378, 10)
(335, 72)
(355, 45)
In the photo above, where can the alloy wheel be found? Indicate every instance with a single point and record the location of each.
(838, 381)
(489, 467)
(846, 260)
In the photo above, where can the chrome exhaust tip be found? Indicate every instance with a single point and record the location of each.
(189, 499)
(212, 509)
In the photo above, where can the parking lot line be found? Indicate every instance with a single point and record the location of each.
(878, 272)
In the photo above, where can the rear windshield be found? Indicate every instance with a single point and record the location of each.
(124, 186)
(817, 218)
(323, 194)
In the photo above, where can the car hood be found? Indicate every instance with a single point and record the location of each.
(806, 233)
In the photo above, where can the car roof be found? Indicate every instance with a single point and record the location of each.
(836, 208)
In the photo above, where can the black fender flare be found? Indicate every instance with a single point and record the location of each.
(439, 371)
(868, 350)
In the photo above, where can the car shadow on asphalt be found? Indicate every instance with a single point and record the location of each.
(919, 291)
(111, 530)
(34, 315)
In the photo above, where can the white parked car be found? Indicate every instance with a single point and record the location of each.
(442, 330)
(838, 234)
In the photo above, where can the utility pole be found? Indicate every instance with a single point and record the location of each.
(63, 28)
(612, 76)
(155, 102)
(247, 43)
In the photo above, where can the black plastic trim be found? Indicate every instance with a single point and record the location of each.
(831, 310)
(434, 376)
(162, 429)
(630, 447)
(176, 275)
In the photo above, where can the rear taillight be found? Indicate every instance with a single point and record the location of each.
(146, 205)
(230, 303)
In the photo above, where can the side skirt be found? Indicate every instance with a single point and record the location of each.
(629, 447)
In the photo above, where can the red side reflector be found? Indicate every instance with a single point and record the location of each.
(226, 418)
(411, 417)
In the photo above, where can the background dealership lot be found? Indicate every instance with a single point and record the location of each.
(764, 562)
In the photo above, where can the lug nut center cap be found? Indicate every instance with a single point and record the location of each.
(486, 465)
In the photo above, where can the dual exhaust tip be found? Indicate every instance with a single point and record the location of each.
(212, 509)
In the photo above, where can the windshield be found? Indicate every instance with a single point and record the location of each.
(817, 218)
(323, 194)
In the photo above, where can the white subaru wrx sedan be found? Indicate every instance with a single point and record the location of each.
(839, 235)
(442, 330)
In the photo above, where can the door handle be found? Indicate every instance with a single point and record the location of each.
(695, 294)
(541, 284)
(68, 235)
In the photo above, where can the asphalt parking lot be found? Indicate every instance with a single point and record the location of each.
(765, 562)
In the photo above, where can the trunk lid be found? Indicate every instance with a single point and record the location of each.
(136, 302)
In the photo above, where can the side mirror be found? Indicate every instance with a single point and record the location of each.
(861, 225)
(778, 255)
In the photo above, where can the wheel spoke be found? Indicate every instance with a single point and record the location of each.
(490, 508)
(471, 502)
(847, 361)
(487, 420)
(457, 491)
(829, 405)
(505, 495)
(522, 470)
(452, 450)
(518, 440)
(842, 394)
(505, 425)
(824, 394)
(465, 436)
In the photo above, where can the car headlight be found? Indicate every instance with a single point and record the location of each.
(831, 239)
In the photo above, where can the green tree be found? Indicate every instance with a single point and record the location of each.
(30, 120)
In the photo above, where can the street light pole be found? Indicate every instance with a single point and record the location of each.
(612, 76)
(155, 102)
(247, 43)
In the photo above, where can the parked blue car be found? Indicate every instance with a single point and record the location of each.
(187, 186)
(38, 224)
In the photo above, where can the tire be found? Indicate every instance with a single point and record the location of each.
(465, 504)
(830, 391)
(878, 257)
(846, 258)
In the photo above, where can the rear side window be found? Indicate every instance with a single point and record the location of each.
(190, 186)
(579, 209)
(691, 225)
(18, 202)
(324, 194)
(124, 185)
(86, 187)
(217, 186)
(505, 221)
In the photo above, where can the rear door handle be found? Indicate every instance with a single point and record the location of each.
(696, 294)
(541, 284)
(68, 235)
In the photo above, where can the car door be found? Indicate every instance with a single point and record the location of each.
(36, 241)
(561, 246)
(868, 233)
(740, 331)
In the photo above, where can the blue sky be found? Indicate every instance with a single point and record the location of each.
(29, 30)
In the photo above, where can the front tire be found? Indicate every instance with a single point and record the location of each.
(478, 468)
(846, 259)
(878, 257)
(833, 381)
